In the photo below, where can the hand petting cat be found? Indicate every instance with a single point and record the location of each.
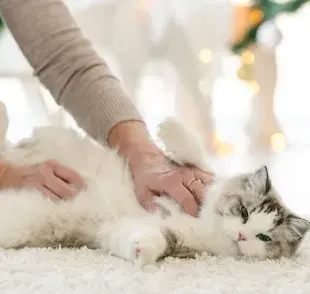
(50, 177)
(154, 174)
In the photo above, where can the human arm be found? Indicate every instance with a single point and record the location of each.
(80, 81)
(154, 174)
(66, 63)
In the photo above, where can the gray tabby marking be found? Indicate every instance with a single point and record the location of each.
(176, 248)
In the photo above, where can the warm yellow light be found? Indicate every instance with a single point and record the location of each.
(205, 55)
(255, 87)
(223, 149)
(256, 16)
(221, 145)
(248, 57)
(278, 142)
(245, 73)
(219, 137)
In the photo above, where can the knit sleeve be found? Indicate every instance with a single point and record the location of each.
(66, 63)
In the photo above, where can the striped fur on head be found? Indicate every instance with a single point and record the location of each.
(254, 216)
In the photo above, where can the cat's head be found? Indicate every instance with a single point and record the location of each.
(255, 218)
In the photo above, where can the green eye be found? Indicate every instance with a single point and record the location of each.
(263, 237)
(244, 214)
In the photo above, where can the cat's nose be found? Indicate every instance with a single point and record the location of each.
(241, 237)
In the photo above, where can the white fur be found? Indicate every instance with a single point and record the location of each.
(257, 223)
(182, 145)
(106, 214)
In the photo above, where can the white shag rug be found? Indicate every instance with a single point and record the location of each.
(83, 271)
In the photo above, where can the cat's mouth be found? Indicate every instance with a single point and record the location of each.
(234, 244)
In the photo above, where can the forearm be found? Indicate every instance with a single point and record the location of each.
(132, 137)
(68, 66)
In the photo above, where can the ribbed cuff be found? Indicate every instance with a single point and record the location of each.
(120, 109)
(66, 63)
(102, 109)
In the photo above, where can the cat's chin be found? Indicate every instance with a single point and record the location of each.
(233, 250)
(252, 249)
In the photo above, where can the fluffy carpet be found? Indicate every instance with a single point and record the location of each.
(83, 271)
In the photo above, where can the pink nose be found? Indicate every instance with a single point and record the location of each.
(241, 237)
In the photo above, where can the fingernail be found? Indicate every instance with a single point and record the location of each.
(150, 206)
(73, 189)
(194, 214)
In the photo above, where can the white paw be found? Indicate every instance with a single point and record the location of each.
(146, 247)
(182, 145)
(170, 132)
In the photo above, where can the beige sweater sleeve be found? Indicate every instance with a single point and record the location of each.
(65, 62)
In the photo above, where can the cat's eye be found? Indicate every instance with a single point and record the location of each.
(263, 237)
(244, 214)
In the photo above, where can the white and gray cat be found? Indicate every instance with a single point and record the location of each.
(241, 216)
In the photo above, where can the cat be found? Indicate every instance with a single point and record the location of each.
(242, 216)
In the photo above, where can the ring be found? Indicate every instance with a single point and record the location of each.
(192, 181)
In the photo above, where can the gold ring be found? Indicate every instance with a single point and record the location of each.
(192, 181)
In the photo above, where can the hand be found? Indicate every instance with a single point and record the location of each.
(153, 174)
(50, 177)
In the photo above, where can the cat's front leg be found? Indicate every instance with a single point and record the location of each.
(136, 240)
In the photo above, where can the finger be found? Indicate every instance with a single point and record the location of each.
(185, 198)
(47, 193)
(32, 183)
(151, 207)
(205, 178)
(67, 174)
(198, 190)
(59, 187)
(145, 198)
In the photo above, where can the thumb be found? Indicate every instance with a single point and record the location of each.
(146, 200)
(151, 207)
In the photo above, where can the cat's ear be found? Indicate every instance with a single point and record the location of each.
(299, 226)
(259, 181)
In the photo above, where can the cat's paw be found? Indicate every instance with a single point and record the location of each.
(170, 132)
(182, 145)
(146, 247)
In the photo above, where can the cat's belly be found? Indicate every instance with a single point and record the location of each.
(27, 217)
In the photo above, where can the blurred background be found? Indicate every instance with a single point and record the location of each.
(234, 71)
